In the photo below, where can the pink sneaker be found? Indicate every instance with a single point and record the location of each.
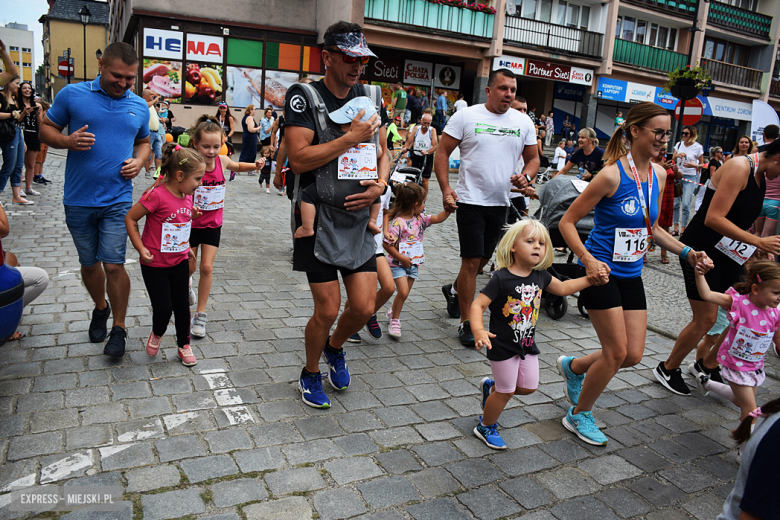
(153, 344)
(395, 329)
(187, 357)
(389, 314)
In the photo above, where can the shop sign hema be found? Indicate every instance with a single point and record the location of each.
(204, 48)
(163, 44)
(446, 76)
(513, 63)
(418, 73)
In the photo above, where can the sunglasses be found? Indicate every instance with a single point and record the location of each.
(685, 133)
(350, 59)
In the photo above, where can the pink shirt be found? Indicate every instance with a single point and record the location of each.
(167, 229)
(750, 334)
(407, 231)
(210, 218)
(772, 188)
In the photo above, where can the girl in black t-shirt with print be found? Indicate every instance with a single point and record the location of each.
(513, 296)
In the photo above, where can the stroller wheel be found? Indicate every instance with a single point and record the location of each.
(555, 306)
(581, 308)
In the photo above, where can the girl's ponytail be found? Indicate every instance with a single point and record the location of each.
(742, 432)
(176, 158)
(639, 115)
(616, 148)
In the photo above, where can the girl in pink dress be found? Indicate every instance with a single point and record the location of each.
(168, 209)
(754, 321)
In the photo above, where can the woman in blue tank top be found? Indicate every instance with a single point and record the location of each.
(626, 197)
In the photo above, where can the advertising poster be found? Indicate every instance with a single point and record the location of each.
(417, 73)
(276, 85)
(763, 116)
(387, 92)
(244, 86)
(163, 77)
(447, 76)
(203, 84)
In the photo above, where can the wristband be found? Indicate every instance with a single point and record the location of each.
(528, 178)
(382, 181)
(684, 253)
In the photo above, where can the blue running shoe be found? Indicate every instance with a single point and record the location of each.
(372, 327)
(312, 392)
(338, 373)
(573, 381)
(584, 426)
(355, 338)
(487, 385)
(489, 435)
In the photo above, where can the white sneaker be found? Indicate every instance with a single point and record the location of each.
(31, 192)
(198, 329)
(193, 299)
(267, 190)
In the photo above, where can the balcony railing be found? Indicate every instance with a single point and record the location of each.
(676, 7)
(774, 87)
(648, 57)
(739, 20)
(550, 36)
(427, 15)
(733, 75)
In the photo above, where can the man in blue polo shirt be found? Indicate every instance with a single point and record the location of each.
(107, 147)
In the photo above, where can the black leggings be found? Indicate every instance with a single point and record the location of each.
(168, 288)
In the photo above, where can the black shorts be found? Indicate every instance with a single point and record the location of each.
(628, 293)
(479, 229)
(265, 177)
(417, 162)
(208, 236)
(725, 273)
(32, 141)
(519, 204)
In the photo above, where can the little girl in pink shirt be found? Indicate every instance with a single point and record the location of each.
(164, 248)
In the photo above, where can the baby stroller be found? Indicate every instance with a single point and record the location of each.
(399, 176)
(554, 199)
(545, 172)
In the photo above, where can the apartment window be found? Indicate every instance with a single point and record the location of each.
(585, 17)
(26, 49)
(652, 36)
(726, 51)
(672, 40)
(545, 11)
(646, 33)
(750, 5)
(27, 64)
(15, 49)
(529, 9)
(641, 31)
(629, 26)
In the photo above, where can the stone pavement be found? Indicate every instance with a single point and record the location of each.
(230, 438)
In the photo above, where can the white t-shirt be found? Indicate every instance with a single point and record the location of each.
(490, 146)
(460, 104)
(693, 153)
(384, 205)
(559, 159)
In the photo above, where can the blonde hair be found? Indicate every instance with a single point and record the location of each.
(589, 133)
(694, 134)
(504, 255)
(637, 116)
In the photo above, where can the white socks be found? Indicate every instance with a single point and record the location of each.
(719, 388)
(452, 289)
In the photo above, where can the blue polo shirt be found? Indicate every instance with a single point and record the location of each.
(93, 178)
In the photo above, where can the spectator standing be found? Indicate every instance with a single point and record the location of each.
(155, 140)
(460, 104)
(392, 133)
(689, 156)
(13, 149)
(532, 113)
(414, 104)
(38, 177)
(106, 152)
(249, 137)
(550, 128)
(399, 103)
(266, 128)
(569, 149)
(30, 128)
(441, 112)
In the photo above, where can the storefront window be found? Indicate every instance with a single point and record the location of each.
(723, 136)
(276, 85)
(244, 87)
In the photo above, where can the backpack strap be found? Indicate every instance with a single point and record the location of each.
(318, 109)
(374, 93)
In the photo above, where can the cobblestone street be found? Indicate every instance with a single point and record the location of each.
(230, 438)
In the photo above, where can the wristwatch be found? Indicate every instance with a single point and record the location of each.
(528, 178)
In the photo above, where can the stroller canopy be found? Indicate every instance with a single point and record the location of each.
(555, 197)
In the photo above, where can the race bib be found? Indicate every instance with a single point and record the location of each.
(738, 251)
(358, 163)
(209, 198)
(398, 177)
(175, 237)
(630, 244)
(579, 184)
(749, 345)
(414, 251)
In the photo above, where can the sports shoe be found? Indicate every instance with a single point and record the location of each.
(453, 307)
(31, 192)
(573, 381)
(267, 190)
(199, 320)
(187, 357)
(148, 174)
(312, 393)
(193, 298)
(701, 381)
(373, 329)
(280, 192)
(487, 385)
(153, 344)
(671, 379)
(355, 338)
(117, 341)
(395, 329)
(232, 175)
(41, 180)
(465, 335)
(98, 329)
(584, 426)
(338, 372)
(713, 374)
(489, 435)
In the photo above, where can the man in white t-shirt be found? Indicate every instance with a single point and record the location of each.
(491, 138)
(460, 104)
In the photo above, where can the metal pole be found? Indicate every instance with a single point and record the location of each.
(693, 30)
(85, 50)
(68, 62)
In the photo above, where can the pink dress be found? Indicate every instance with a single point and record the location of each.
(212, 185)
(167, 229)
(750, 335)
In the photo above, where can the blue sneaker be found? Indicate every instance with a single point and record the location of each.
(487, 385)
(372, 327)
(312, 392)
(584, 426)
(573, 381)
(338, 373)
(489, 435)
(355, 338)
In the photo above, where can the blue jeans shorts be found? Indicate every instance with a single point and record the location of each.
(770, 210)
(156, 142)
(400, 272)
(99, 234)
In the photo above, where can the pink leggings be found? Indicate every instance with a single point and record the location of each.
(515, 372)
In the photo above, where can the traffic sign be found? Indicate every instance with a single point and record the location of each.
(63, 68)
(693, 112)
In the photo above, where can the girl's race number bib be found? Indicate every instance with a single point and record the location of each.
(630, 244)
(175, 237)
(738, 251)
(413, 250)
(209, 198)
(749, 345)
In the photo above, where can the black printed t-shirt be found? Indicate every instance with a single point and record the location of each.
(514, 310)
(592, 163)
(299, 113)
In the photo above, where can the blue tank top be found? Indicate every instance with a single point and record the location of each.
(621, 210)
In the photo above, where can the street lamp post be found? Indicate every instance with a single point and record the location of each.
(85, 14)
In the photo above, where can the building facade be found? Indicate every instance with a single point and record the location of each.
(21, 46)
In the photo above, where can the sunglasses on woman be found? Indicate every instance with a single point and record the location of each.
(350, 59)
